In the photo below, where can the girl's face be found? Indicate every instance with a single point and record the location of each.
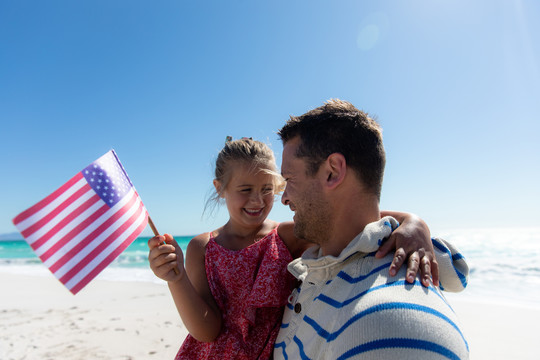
(249, 194)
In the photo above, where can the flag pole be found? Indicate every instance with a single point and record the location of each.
(156, 233)
(152, 226)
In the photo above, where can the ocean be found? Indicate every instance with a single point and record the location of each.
(16, 256)
(504, 263)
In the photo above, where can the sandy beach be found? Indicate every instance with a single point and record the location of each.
(497, 330)
(40, 319)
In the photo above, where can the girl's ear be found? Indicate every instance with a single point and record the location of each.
(336, 168)
(217, 186)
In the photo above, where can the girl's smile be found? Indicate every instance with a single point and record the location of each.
(249, 194)
(253, 212)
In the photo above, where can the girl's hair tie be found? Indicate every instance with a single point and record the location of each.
(228, 139)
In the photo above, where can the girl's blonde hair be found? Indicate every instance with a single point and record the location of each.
(245, 151)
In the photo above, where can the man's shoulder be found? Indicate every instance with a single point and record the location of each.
(367, 304)
(359, 268)
(365, 282)
(363, 311)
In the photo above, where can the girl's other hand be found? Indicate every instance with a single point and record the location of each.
(412, 242)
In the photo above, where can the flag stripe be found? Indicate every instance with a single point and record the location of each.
(55, 228)
(35, 231)
(86, 223)
(114, 253)
(71, 238)
(97, 247)
(67, 229)
(52, 217)
(84, 246)
(86, 236)
(119, 227)
(40, 206)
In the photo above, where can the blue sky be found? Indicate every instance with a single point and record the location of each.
(455, 85)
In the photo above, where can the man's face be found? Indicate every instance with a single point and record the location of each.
(304, 195)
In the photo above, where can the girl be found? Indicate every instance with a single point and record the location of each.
(231, 292)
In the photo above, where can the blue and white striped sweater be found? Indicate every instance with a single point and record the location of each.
(349, 308)
(453, 269)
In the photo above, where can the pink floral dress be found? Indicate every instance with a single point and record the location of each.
(251, 287)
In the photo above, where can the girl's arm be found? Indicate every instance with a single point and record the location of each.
(412, 241)
(413, 237)
(189, 285)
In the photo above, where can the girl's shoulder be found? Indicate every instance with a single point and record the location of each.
(295, 245)
(197, 245)
(286, 230)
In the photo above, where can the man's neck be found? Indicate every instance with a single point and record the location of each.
(350, 217)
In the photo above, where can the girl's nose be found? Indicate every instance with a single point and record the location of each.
(257, 197)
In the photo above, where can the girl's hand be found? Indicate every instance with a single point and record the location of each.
(412, 241)
(166, 258)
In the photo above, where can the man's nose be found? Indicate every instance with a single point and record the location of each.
(285, 197)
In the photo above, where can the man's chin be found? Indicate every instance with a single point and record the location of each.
(300, 232)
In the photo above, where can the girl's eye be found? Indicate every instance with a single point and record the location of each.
(268, 190)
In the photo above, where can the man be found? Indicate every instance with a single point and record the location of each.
(347, 305)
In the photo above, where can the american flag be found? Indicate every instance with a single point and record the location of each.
(86, 223)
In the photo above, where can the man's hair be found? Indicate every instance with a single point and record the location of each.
(339, 127)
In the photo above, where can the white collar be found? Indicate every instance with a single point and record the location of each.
(324, 267)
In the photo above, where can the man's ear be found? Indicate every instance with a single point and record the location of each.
(336, 169)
